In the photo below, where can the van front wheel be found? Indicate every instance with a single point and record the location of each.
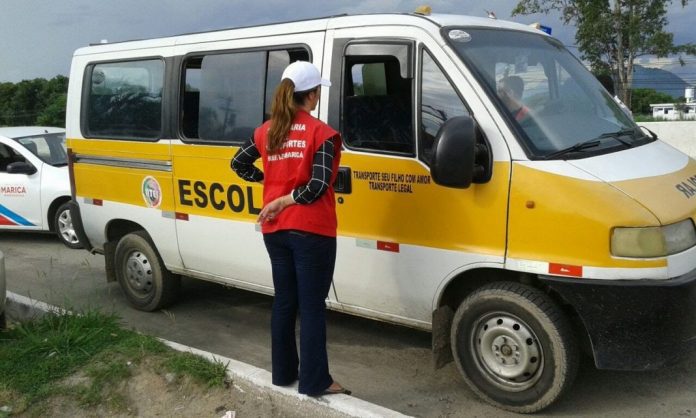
(146, 283)
(514, 347)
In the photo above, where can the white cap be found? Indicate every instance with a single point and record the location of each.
(304, 75)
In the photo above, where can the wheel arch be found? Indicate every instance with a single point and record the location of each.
(52, 208)
(465, 283)
(114, 230)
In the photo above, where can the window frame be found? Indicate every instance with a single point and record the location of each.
(336, 109)
(86, 90)
(421, 49)
(520, 135)
(181, 86)
(17, 151)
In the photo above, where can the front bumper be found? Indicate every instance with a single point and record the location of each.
(634, 324)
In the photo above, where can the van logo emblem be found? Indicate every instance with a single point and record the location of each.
(152, 192)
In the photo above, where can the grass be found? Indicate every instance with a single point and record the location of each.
(85, 357)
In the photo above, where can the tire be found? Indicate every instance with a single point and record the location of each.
(62, 224)
(514, 347)
(146, 283)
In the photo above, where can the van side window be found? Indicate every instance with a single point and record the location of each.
(377, 105)
(125, 100)
(227, 95)
(439, 102)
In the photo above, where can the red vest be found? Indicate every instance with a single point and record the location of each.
(291, 167)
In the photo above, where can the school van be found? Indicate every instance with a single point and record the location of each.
(34, 182)
(490, 190)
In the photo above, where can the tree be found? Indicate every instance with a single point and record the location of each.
(54, 113)
(54, 99)
(643, 98)
(34, 102)
(680, 108)
(611, 34)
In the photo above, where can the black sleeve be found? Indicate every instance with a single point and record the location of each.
(243, 162)
(322, 168)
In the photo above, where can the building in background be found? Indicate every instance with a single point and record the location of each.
(674, 111)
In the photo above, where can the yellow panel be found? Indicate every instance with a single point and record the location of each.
(120, 184)
(671, 197)
(203, 179)
(120, 149)
(392, 199)
(571, 220)
(415, 210)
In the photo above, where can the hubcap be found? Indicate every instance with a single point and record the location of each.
(507, 351)
(65, 228)
(139, 272)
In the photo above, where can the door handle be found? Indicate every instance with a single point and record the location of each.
(343, 183)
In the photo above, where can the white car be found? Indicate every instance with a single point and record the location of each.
(3, 292)
(34, 182)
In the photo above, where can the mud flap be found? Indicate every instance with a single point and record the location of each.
(76, 218)
(442, 323)
(109, 260)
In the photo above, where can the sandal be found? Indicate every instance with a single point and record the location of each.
(335, 391)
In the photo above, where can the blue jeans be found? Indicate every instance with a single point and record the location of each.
(303, 266)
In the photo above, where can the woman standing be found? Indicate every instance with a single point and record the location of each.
(300, 157)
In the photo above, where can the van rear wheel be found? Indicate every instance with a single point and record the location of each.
(146, 283)
(514, 347)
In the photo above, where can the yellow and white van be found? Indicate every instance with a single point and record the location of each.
(517, 238)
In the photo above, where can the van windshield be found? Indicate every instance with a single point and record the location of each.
(557, 107)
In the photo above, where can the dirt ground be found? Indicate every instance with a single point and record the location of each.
(148, 393)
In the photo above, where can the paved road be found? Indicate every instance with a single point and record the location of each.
(384, 364)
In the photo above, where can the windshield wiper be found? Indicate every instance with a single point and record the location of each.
(591, 143)
(617, 136)
(580, 146)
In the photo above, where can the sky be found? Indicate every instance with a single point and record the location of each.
(38, 38)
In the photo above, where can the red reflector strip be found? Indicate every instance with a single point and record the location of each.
(182, 216)
(97, 202)
(388, 246)
(565, 270)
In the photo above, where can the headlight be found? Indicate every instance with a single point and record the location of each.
(657, 241)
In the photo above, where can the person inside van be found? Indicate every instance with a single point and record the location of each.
(300, 157)
(510, 91)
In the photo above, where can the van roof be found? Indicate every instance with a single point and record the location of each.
(434, 21)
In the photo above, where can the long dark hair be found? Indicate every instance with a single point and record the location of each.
(283, 110)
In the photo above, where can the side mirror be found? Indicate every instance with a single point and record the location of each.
(21, 167)
(459, 157)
